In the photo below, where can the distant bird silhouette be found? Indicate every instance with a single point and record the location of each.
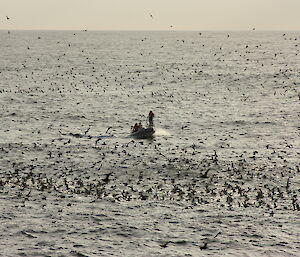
(165, 244)
(7, 18)
(151, 16)
(106, 179)
(108, 129)
(87, 131)
(204, 246)
(204, 175)
(217, 234)
(96, 142)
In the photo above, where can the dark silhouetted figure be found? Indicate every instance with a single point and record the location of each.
(150, 117)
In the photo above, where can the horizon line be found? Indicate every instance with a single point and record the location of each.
(157, 30)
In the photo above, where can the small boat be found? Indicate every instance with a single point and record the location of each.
(143, 133)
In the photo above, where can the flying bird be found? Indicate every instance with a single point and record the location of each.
(7, 18)
(97, 140)
(85, 132)
(204, 246)
(151, 15)
(108, 129)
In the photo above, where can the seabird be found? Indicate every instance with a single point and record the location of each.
(97, 140)
(87, 131)
(108, 129)
(204, 246)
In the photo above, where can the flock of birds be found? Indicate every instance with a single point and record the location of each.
(116, 171)
(121, 173)
(98, 78)
(129, 170)
(54, 76)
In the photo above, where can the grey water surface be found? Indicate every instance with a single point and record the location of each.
(221, 177)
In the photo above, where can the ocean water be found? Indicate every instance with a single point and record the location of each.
(221, 177)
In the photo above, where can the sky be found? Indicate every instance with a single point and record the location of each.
(135, 14)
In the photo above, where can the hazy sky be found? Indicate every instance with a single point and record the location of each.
(135, 14)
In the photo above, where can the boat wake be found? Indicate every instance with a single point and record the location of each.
(162, 132)
(78, 135)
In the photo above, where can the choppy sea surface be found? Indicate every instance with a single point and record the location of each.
(221, 177)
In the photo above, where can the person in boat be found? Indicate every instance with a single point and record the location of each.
(140, 125)
(150, 117)
(135, 127)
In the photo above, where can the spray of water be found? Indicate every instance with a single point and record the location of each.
(162, 132)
